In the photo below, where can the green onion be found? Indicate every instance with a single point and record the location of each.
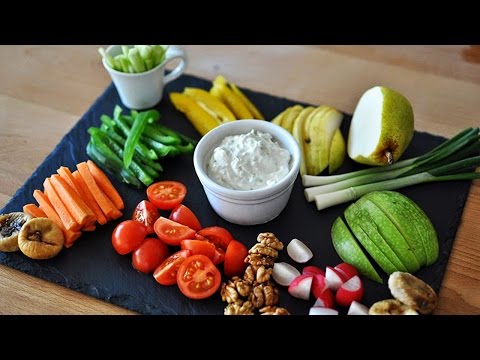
(449, 161)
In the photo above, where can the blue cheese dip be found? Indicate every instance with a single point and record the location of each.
(249, 161)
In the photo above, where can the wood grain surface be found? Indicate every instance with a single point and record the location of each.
(44, 90)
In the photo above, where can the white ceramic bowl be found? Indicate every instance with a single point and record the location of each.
(249, 207)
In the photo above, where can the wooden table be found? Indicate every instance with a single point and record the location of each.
(45, 89)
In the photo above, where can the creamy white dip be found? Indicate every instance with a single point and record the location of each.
(249, 161)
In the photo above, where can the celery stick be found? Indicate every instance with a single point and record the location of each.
(125, 50)
(149, 64)
(136, 60)
(124, 62)
(158, 54)
(108, 58)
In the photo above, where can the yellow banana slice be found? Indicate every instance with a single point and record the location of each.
(200, 119)
(210, 104)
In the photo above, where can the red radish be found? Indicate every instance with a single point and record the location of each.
(326, 299)
(347, 270)
(316, 310)
(334, 278)
(298, 251)
(322, 292)
(319, 285)
(351, 291)
(284, 273)
(313, 270)
(357, 309)
(301, 286)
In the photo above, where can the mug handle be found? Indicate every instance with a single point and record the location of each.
(173, 52)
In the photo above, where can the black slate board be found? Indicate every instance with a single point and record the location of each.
(91, 266)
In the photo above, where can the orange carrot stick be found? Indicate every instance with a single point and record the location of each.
(71, 237)
(90, 227)
(80, 211)
(67, 219)
(107, 206)
(80, 184)
(105, 184)
(65, 173)
(47, 208)
(33, 211)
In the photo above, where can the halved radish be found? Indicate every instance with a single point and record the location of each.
(316, 310)
(301, 286)
(347, 270)
(313, 270)
(334, 278)
(326, 299)
(351, 291)
(284, 273)
(357, 309)
(298, 251)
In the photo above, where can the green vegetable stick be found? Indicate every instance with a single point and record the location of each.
(123, 62)
(133, 138)
(125, 50)
(136, 60)
(149, 64)
(157, 54)
(108, 58)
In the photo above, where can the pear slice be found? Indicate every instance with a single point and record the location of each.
(382, 127)
(389, 232)
(211, 104)
(414, 216)
(338, 152)
(321, 129)
(297, 132)
(403, 220)
(289, 118)
(279, 118)
(350, 251)
(310, 155)
(367, 233)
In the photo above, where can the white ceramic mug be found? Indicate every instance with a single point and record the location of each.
(144, 90)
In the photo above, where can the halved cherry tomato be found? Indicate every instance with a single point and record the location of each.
(172, 232)
(165, 195)
(166, 272)
(198, 278)
(146, 213)
(127, 235)
(219, 236)
(199, 247)
(219, 252)
(183, 215)
(219, 256)
(234, 259)
(149, 255)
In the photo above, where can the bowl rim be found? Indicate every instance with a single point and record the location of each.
(279, 134)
